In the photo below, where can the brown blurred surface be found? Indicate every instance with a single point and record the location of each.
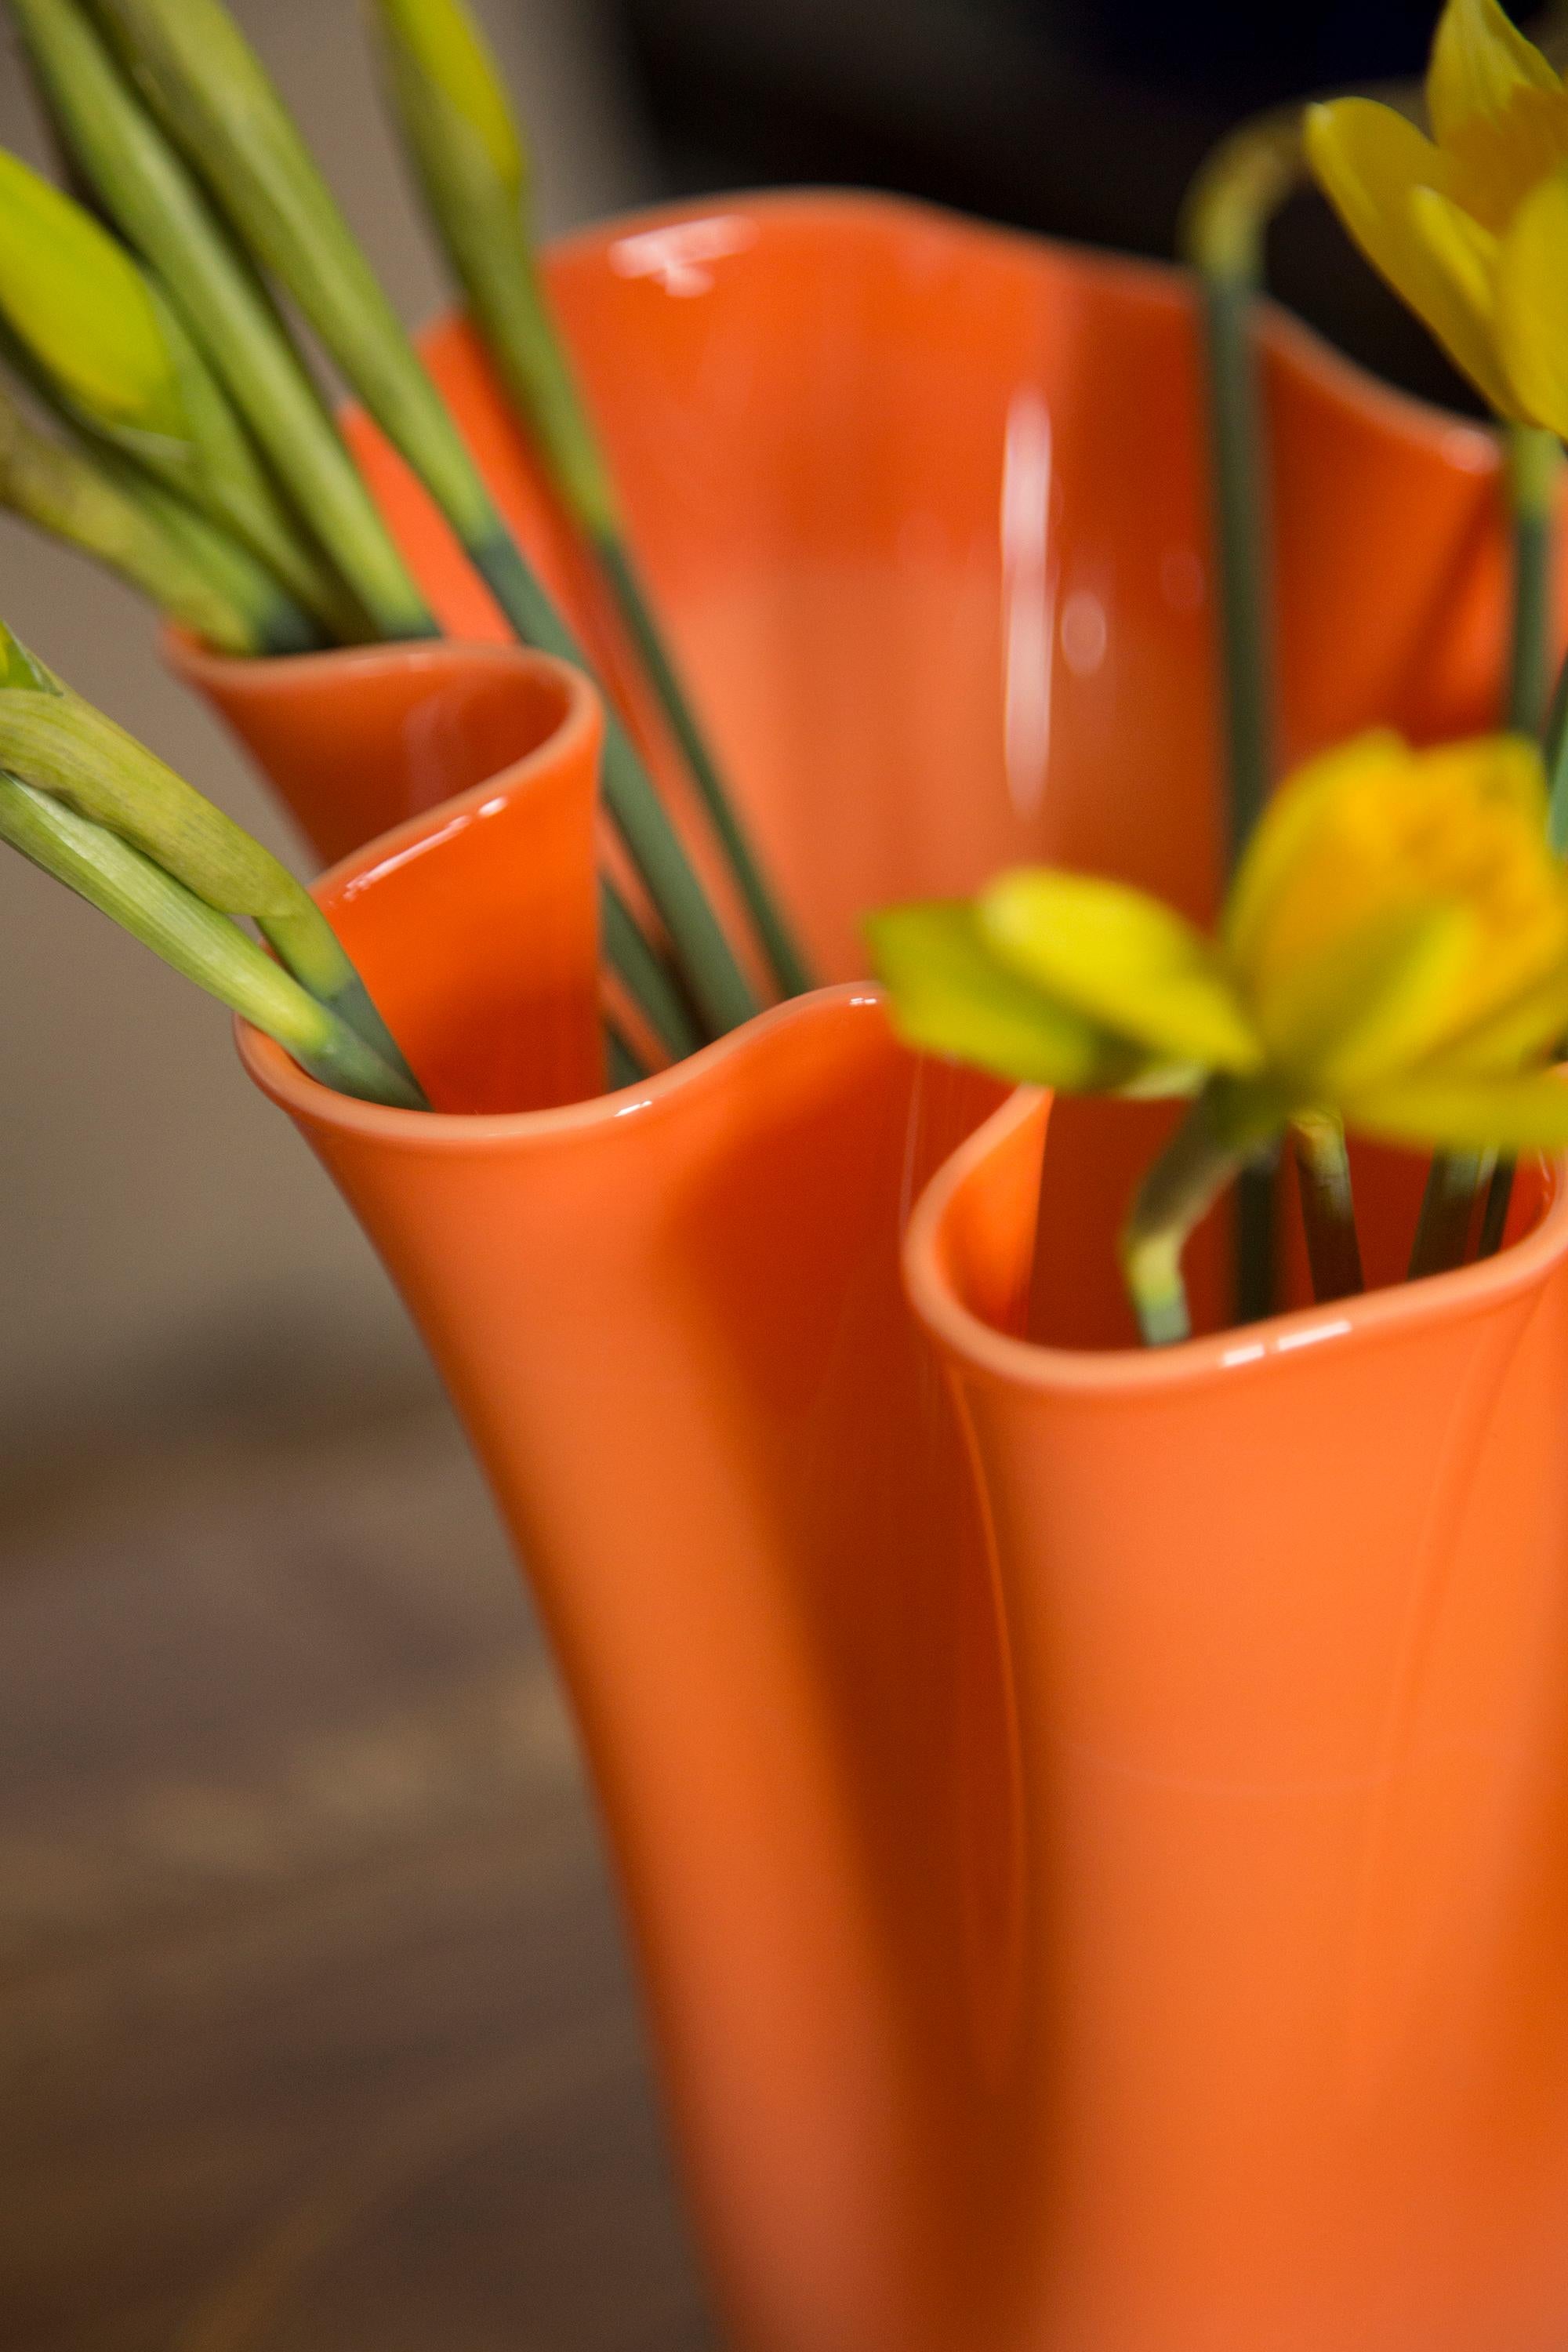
(315, 2026)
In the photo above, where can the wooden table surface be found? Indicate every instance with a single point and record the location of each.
(315, 2029)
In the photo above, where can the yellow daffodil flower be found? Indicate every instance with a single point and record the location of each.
(1470, 225)
(1394, 950)
(1392, 954)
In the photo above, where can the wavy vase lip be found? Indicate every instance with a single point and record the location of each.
(933, 1283)
(1465, 438)
(282, 1080)
(280, 1077)
(279, 676)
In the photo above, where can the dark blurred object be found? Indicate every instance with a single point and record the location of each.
(1082, 119)
(1248, 55)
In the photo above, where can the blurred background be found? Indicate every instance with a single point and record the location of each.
(314, 2026)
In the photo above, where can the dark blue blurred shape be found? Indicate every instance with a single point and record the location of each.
(1247, 49)
(1243, 52)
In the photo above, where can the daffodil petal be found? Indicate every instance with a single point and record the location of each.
(1368, 161)
(1507, 1115)
(1122, 958)
(1287, 822)
(1531, 305)
(1502, 1045)
(1481, 60)
(950, 995)
(1395, 900)
(1467, 255)
(1383, 998)
(1496, 109)
(1507, 768)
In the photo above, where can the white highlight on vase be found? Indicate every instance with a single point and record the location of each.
(1028, 600)
(1288, 1340)
(1252, 1351)
(678, 258)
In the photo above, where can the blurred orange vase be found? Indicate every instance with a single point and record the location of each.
(1094, 1825)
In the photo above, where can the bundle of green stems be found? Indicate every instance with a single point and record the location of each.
(1224, 225)
(94, 808)
(173, 428)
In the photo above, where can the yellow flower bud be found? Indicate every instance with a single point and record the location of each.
(79, 304)
(437, 42)
(21, 671)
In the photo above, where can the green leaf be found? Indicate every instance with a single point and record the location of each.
(950, 995)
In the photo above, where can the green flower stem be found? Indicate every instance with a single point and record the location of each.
(1447, 1210)
(1222, 230)
(63, 747)
(1534, 464)
(225, 475)
(1223, 227)
(279, 626)
(160, 477)
(471, 165)
(65, 493)
(622, 1067)
(719, 988)
(156, 203)
(788, 965)
(1494, 1216)
(1322, 1167)
(216, 100)
(196, 940)
(1244, 592)
(1534, 461)
(1176, 1195)
(652, 983)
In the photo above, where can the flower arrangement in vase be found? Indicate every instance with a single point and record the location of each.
(1086, 1810)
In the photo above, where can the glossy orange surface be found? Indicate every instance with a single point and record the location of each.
(1090, 1824)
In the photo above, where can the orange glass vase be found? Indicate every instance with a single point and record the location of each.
(1090, 1822)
